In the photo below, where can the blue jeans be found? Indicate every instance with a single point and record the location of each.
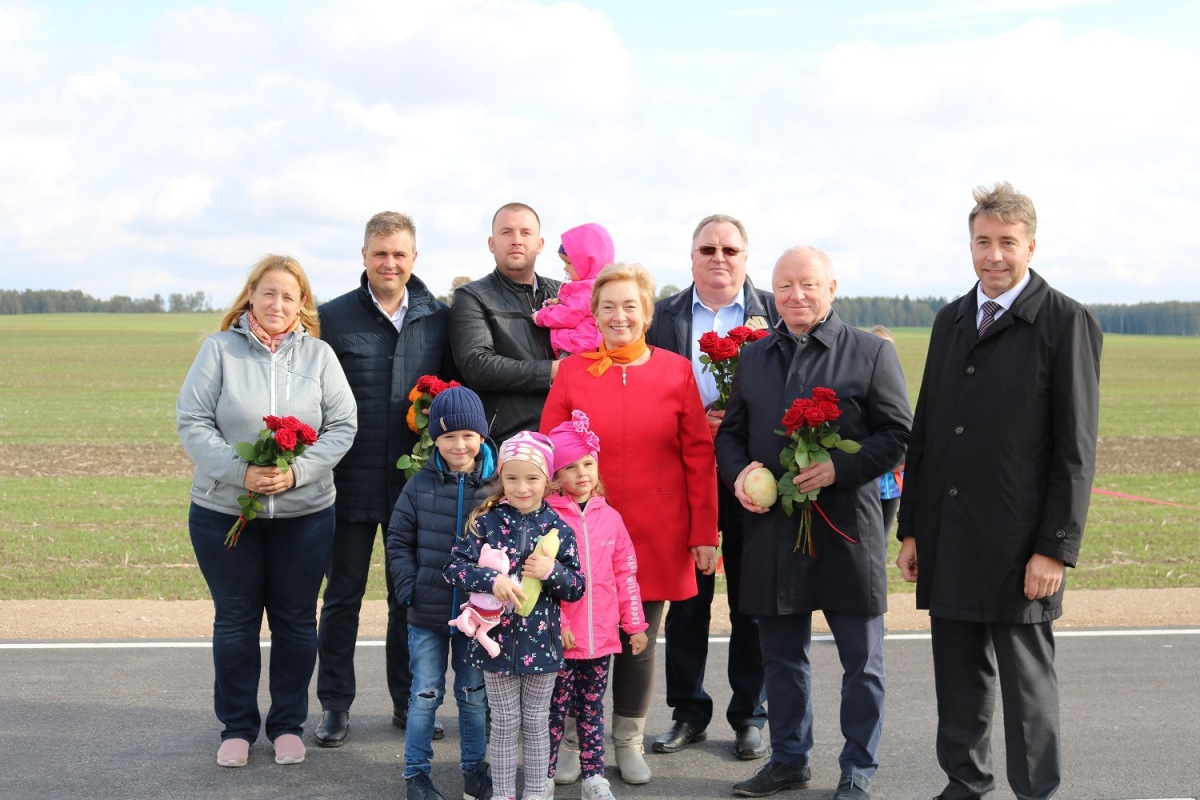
(428, 650)
(276, 567)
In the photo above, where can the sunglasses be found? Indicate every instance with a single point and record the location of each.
(711, 250)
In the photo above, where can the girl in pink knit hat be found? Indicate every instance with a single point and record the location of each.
(592, 627)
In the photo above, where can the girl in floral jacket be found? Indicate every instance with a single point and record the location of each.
(520, 679)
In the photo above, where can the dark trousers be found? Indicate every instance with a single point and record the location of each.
(859, 639)
(687, 629)
(632, 677)
(967, 658)
(353, 544)
(276, 567)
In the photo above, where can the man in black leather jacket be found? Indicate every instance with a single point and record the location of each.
(500, 353)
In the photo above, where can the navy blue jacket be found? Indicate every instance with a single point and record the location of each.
(382, 366)
(429, 519)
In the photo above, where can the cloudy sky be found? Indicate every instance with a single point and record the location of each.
(156, 147)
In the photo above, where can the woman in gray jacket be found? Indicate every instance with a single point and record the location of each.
(265, 360)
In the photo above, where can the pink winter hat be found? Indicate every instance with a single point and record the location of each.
(528, 446)
(573, 440)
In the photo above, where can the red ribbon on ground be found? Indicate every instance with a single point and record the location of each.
(1123, 496)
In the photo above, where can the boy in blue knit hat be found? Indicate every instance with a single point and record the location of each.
(430, 516)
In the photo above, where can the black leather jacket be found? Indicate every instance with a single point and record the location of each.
(500, 353)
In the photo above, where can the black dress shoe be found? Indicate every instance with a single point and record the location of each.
(678, 736)
(772, 778)
(333, 730)
(749, 744)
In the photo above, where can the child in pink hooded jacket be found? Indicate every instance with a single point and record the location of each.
(585, 251)
(591, 626)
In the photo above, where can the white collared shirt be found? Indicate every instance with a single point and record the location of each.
(1005, 300)
(397, 319)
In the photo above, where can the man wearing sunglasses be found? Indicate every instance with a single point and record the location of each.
(721, 297)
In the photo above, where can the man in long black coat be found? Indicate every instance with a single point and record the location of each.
(996, 493)
(847, 578)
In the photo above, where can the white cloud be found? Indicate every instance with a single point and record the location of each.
(212, 135)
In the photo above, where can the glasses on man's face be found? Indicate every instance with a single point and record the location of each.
(729, 251)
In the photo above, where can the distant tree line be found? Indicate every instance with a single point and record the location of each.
(1172, 318)
(57, 301)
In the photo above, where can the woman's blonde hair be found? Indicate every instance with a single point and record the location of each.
(308, 308)
(627, 272)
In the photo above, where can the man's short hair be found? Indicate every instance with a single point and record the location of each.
(1006, 204)
(385, 223)
(734, 221)
(516, 207)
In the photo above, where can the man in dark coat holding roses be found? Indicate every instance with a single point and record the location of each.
(996, 493)
(845, 574)
(721, 298)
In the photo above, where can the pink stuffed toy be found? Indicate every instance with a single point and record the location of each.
(482, 611)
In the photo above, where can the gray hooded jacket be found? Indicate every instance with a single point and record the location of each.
(234, 382)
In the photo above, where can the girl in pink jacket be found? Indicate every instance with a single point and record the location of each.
(591, 626)
(585, 251)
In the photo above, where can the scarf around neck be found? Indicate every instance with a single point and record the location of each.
(625, 354)
(271, 342)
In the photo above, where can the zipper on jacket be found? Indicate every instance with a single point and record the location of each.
(591, 620)
(459, 535)
(273, 412)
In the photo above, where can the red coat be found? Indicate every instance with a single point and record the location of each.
(656, 460)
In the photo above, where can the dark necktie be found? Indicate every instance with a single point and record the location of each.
(990, 307)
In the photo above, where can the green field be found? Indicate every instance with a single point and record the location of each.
(93, 484)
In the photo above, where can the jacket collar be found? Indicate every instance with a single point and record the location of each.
(420, 299)
(679, 308)
(1026, 307)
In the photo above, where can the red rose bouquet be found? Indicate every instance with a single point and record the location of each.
(808, 423)
(279, 444)
(421, 396)
(719, 355)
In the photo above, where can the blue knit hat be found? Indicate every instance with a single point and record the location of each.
(456, 409)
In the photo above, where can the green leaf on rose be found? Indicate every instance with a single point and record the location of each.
(848, 446)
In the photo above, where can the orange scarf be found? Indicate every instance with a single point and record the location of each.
(625, 354)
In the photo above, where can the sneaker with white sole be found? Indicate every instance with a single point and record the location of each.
(233, 753)
(596, 788)
(289, 749)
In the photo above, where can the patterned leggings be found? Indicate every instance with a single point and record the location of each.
(520, 704)
(580, 688)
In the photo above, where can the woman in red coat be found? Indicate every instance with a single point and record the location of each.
(658, 471)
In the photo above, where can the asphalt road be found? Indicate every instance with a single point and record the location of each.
(102, 720)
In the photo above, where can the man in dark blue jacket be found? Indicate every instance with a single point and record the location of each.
(721, 297)
(387, 333)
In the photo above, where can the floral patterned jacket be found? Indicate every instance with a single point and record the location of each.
(532, 644)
